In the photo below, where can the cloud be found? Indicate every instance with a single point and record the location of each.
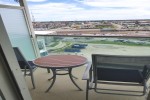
(116, 3)
(69, 12)
(89, 10)
(53, 11)
(36, 0)
(9, 2)
(54, 8)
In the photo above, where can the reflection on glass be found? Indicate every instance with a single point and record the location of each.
(97, 45)
(42, 47)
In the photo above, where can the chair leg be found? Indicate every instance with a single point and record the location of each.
(87, 90)
(32, 79)
(147, 96)
(48, 70)
(25, 71)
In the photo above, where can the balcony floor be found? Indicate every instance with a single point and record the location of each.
(64, 89)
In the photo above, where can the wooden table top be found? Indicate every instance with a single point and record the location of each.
(60, 61)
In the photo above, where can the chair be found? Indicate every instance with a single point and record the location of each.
(25, 65)
(107, 71)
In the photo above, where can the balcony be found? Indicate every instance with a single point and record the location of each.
(63, 88)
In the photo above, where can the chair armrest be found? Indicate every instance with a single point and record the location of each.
(86, 73)
(146, 72)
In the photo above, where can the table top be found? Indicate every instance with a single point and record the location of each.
(60, 61)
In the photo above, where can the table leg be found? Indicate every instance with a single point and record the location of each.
(74, 76)
(71, 77)
(54, 78)
(66, 69)
(51, 78)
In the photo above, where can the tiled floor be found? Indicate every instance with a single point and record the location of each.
(64, 89)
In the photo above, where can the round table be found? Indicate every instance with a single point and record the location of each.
(60, 62)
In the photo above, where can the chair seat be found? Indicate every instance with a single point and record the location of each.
(32, 64)
(23, 63)
(121, 75)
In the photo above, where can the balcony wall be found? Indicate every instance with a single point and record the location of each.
(96, 45)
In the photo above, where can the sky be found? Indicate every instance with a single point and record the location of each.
(78, 10)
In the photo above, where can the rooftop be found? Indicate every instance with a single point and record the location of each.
(95, 32)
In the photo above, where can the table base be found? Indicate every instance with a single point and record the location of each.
(53, 78)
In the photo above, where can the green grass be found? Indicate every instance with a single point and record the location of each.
(54, 44)
(104, 26)
(118, 43)
(68, 45)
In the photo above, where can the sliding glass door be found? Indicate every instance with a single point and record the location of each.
(18, 31)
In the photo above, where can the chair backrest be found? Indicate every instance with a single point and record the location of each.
(129, 62)
(118, 67)
(146, 71)
(21, 59)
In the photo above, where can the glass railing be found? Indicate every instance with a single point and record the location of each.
(87, 45)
